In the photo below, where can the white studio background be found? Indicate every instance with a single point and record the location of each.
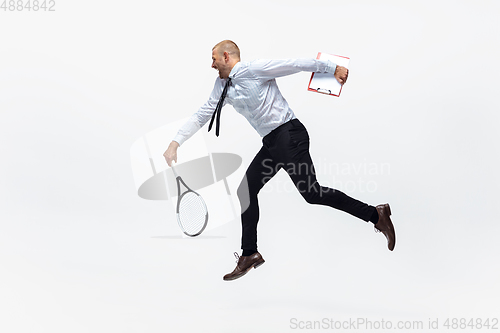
(416, 126)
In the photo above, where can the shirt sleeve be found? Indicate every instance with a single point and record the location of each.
(201, 117)
(270, 69)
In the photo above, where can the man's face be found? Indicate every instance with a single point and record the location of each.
(219, 64)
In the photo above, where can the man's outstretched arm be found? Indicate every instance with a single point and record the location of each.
(270, 69)
(193, 124)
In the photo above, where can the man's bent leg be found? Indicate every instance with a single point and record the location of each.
(290, 148)
(293, 151)
(303, 175)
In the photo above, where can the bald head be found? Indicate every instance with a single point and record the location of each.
(227, 46)
(225, 55)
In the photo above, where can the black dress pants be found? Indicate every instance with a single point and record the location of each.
(287, 147)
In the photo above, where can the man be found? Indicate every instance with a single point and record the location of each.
(250, 87)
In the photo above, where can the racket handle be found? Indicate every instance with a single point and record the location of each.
(175, 173)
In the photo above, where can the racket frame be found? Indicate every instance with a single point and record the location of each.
(179, 196)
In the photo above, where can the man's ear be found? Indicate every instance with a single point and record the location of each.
(226, 56)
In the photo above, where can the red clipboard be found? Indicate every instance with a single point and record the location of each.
(330, 89)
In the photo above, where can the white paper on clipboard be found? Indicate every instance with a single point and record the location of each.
(326, 82)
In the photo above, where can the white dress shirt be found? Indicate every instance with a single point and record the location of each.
(254, 94)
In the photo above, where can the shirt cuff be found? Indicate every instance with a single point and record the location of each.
(179, 139)
(331, 67)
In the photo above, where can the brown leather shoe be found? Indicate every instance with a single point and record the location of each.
(384, 225)
(245, 263)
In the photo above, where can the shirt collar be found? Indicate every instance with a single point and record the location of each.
(234, 70)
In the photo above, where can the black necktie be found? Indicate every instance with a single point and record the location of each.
(218, 108)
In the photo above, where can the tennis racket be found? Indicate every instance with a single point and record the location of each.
(192, 213)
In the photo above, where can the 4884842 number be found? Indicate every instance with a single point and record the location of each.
(28, 5)
(469, 324)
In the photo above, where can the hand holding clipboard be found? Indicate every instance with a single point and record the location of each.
(328, 83)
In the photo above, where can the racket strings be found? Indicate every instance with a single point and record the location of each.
(192, 213)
